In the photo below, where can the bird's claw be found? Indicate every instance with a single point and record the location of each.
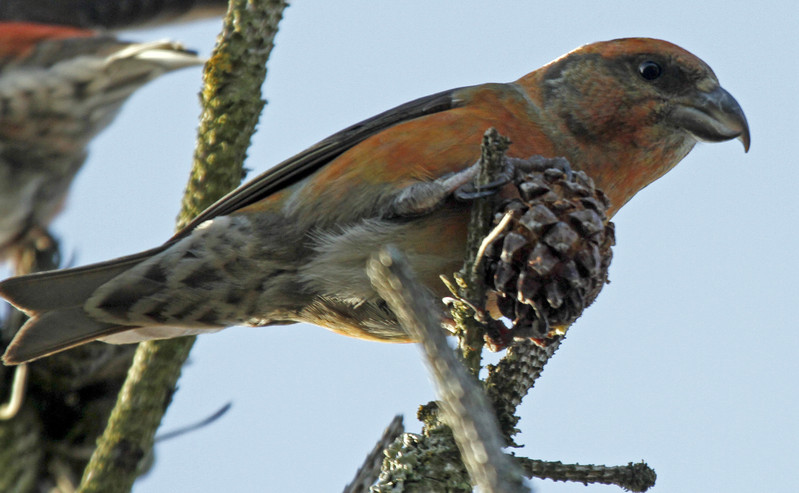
(537, 163)
(472, 191)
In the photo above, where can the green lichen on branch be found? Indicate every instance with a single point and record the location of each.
(231, 101)
(636, 477)
(509, 380)
(428, 463)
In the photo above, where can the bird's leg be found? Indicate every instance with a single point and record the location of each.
(423, 197)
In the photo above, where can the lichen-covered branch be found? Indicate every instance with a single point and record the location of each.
(509, 380)
(471, 287)
(232, 102)
(632, 477)
(368, 472)
(231, 107)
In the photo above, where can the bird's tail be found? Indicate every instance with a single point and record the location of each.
(54, 301)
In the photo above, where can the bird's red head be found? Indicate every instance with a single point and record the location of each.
(628, 110)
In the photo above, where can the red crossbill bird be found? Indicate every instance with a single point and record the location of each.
(59, 87)
(291, 245)
(120, 14)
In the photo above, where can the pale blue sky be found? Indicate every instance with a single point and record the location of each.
(688, 360)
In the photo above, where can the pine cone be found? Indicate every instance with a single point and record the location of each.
(550, 259)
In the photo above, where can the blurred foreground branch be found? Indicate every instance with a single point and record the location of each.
(466, 410)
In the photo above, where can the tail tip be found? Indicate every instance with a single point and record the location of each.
(10, 357)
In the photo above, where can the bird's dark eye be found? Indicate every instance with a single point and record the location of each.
(649, 70)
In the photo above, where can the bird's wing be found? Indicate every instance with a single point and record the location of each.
(312, 159)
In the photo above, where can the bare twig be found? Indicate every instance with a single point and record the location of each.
(195, 426)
